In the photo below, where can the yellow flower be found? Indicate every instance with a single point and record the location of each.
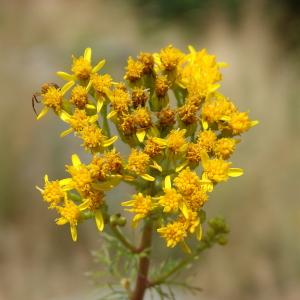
(101, 83)
(77, 121)
(53, 192)
(170, 57)
(193, 153)
(199, 73)
(135, 69)
(81, 176)
(192, 223)
(53, 98)
(141, 206)
(120, 101)
(161, 85)
(82, 68)
(147, 60)
(173, 233)
(170, 200)
(138, 163)
(105, 165)
(239, 122)
(206, 140)
(70, 213)
(218, 170)
(187, 182)
(79, 96)
(224, 147)
(166, 117)
(197, 199)
(216, 108)
(142, 118)
(94, 139)
(139, 97)
(152, 148)
(188, 113)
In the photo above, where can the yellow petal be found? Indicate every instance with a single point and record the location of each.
(156, 166)
(90, 106)
(184, 210)
(88, 87)
(222, 64)
(99, 104)
(99, 66)
(192, 49)
(67, 86)
(39, 189)
(64, 116)
(253, 123)
(84, 205)
(204, 158)
(99, 220)
(235, 172)
(179, 168)
(65, 181)
(204, 124)
(87, 54)
(160, 141)
(65, 76)
(42, 113)
(148, 177)
(168, 184)
(66, 132)
(46, 178)
(128, 178)
(75, 160)
(128, 203)
(140, 134)
(73, 230)
(111, 114)
(61, 221)
(110, 141)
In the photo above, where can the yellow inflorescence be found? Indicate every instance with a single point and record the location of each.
(178, 152)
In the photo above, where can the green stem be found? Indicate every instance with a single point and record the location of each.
(118, 234)
(180, 265)
(105, 125)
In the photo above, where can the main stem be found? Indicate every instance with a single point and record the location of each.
(144, 263)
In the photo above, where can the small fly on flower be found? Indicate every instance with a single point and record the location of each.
(44, 89)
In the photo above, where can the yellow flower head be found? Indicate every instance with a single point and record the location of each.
(141, 206)
(197, 199)
(94, 200)
(224, 147)
(120, 100)
(191, 221)
(216, 169)
(127, 124)
(188, 113)
(176, 142)
(78, 120)
(213, 110)
(166, 117)
(142, 118)
(92, 137)
(81, 68)
(138, 162)
(70, 213)
(152, 148)
(148, 62)
(53, 192)
(187, 182)
(139, 97)
(79, 96)
(170, 200)
(161, 85)
(199, 73)
(207, 140)
(134, 69)
(193, 152)
(170, 57)
(101, 83)
(239, 122)
(81, 177)
(173, 233)
(53, 98)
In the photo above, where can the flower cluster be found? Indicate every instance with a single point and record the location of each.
(180, 129)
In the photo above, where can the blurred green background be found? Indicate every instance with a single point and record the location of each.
(261, 42)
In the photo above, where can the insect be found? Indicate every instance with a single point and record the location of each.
(44, 89)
